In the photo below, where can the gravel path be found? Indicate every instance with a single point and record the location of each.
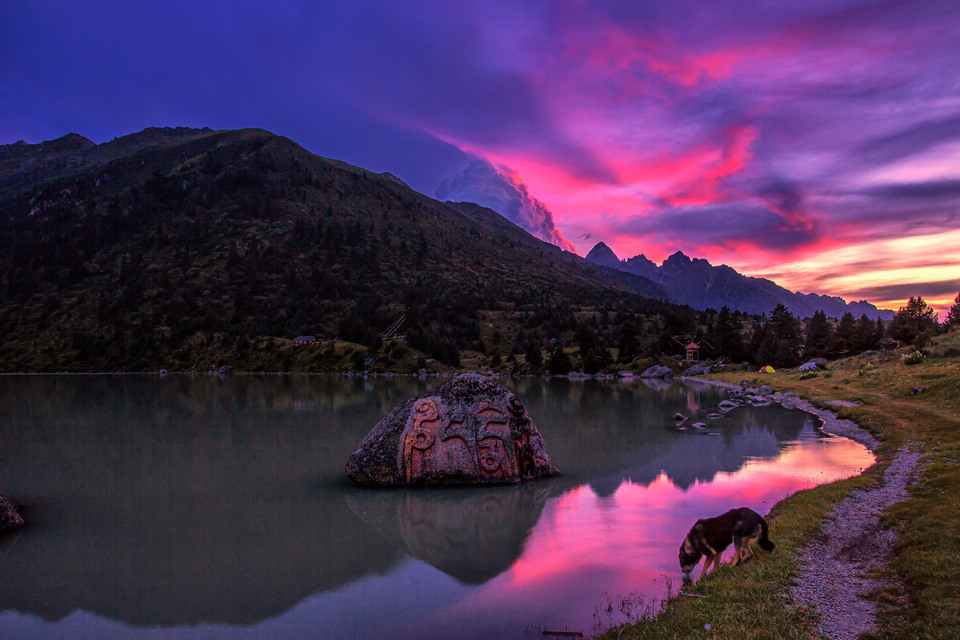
(834, 567)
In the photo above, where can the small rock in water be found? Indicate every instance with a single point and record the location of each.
(699, 425)
(679, 416)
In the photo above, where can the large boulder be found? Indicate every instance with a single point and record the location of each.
(468, 431)
(9, 518)
(696, 370)
(657, 371)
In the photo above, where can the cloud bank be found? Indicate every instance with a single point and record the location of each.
(502, 190)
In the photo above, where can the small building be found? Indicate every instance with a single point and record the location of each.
(693, 351)
(304, 340)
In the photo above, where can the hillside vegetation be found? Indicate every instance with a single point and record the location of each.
(173, 247)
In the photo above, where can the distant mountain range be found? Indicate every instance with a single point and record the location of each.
(697, 283)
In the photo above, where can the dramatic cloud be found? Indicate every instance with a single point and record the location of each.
(502, 190)
(790, 138)
(933, 290)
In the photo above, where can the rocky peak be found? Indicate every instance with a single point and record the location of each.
(603, 255)
(642, 266)
(675, 263)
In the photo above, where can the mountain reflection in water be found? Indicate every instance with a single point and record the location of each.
(164, 503)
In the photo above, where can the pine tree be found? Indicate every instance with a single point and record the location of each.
(559, 362)
(534, 357)
(913, 320)
(847, 334)
(786, 330)
(628, 346)
(587, 339)
(866, 334)
(756, 341)
(953, 316)
(819, 337)
(726, 335)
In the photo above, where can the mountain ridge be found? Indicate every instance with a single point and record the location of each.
(701, 285)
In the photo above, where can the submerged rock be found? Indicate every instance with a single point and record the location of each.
(468, 431)
(9, 518)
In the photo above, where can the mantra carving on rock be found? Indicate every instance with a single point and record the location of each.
(482, 441)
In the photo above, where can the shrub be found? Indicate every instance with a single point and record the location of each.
(912, 358)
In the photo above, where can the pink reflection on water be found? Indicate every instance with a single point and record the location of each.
(593, 562)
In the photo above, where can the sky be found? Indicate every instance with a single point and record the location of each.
(816, 143)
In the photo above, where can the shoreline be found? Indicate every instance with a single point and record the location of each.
(831, 423)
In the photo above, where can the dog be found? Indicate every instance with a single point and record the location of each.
(710, 536)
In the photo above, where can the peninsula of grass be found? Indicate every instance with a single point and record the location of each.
(900, 403)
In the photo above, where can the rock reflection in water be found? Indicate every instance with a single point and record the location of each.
(472, 534)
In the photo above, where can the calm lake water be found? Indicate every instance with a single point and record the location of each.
(197, 508)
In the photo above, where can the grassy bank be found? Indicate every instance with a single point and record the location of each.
(753, 600)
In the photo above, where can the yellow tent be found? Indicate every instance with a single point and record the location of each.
(767, 369)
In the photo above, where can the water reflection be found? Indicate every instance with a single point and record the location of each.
(470, 535)
(164, 503)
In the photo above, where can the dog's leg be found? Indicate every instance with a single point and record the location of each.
(738, 554)
(747, 550)
(711, 559)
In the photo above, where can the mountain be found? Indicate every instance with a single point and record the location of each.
(697, 283)
(172, 247)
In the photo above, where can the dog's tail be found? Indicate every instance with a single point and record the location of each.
(764, 541)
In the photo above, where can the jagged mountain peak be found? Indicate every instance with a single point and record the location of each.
(694, 281)
(604, 255)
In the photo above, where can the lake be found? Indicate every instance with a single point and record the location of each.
(193, 507)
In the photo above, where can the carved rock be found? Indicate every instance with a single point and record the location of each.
(469, 431)
(9, 518)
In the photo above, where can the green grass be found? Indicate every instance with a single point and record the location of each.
(753, 601)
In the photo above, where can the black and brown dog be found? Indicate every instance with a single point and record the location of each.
(710, 536)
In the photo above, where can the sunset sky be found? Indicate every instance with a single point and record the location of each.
(816, 143)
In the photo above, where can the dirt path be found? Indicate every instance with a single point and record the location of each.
(836, 567)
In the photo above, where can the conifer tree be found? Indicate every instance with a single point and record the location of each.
(819, 337)
(953, 316)
(559, 362)
(912, 320)
(866, 334)
(847, 334)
